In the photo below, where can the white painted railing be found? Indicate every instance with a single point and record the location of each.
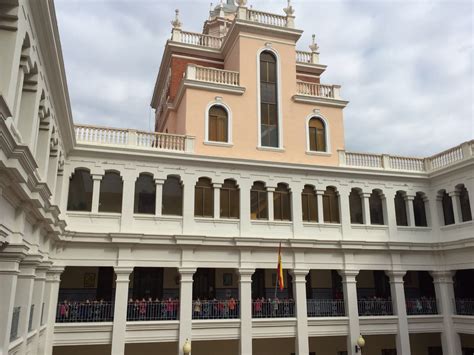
(199, 39)
(364, 160)
(317, 90)
(212, 75)
(407, 163)
(266, 18)
(447, 157)
(131, 138)
(303, 57)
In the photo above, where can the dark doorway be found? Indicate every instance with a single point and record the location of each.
(204, 284)
(148, 282)
(258, 284)
(105, 281)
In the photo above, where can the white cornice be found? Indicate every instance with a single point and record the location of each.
(321, 101)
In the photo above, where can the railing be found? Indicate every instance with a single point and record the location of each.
(365, 160)
(375, 307)
(212, 75)
(316, 90)
(303, 57)
(464, 306)
(325, 308)
(153, 310)
(30, 319)
(266, 18)
(419, 306)
(75, 312)
(216, 309)
(273, 308)
(15, 322)
(407, 163)
(447, 157)
(199, 39)
(133, 138)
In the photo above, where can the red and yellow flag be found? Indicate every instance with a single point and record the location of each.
(281, 283)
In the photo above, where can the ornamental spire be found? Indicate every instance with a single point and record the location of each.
(176, 23)
(313, 46)
(289, 10)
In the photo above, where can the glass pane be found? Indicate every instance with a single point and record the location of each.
(263, 205)
(420, 212)
(80, 191)
(234, 203)
(400, 210)
(198, 202)
(145, 195)
(224, 203)
(268, 93)
(286, 210)
(466, 212)
(376, 210)
(208, 202)
(110, 199)
(355, 204)
(253, 204)
(305, 206)
(277, 205)
(172, 202)
(312, 139)
(313, 208)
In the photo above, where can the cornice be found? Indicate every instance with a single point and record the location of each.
(321, 101)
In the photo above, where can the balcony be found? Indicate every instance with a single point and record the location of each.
(80, 312)
(273, 308)
(216, 309)
(314, 93)
(208, 78)
(421, 306)
(375, 307)
(464, 306)
(152, 310)
(325, 308)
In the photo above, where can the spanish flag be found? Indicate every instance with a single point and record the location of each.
(281, 283)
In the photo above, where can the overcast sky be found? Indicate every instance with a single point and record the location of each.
(405, 66)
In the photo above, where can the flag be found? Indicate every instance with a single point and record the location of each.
(281, 283)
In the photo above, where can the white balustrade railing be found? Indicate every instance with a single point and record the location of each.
(266, 18)
(447, 157)
(161, 141)
(407, 163)
(364, 160)
(315, 89)
(101, 135)
(199, 39)
(212, 75)
(303, 57)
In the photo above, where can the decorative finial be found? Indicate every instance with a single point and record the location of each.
(176, 23)
(210, 10)
(221, 9)
(241, 3)
(289, 10)
(313, 46)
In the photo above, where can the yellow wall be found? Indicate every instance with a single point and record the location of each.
(321, 279)
(419, 343)
(73, 277)
(275, 346)
(215, 347)
(152, 348)
(327, 345)
(82, 350)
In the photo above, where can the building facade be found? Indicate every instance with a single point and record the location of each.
(119, 241)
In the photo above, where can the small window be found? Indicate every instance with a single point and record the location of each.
(80, 191)
(111, 188)
(204, 198)
(172, 201)
(259, 201)
(447, 204)
(355, 205)
(420, 210)
(331, 205)
(465, 205)
(401, 209)
(218, 124)
(282, 203)
(317, 135)
(376, 207)
(229, 199)
(145, 195)
(310, 204)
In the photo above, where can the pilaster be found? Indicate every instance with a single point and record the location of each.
(299, 289)
(296, 209)
(244, 186)
(53, 280)
(217, 199)
(189, 182)
(365, 196)
(122, 280)
(185, 307)
(159, 196)
(271, 211)
(245, 296)
(456, 206)
(96, 179)
(349, 285)
(319, 196)
(410, 210)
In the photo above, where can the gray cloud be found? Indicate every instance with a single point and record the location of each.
(405, 66)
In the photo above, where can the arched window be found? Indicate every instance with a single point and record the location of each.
(420, 210)
(317, 135)
(172, 201)
(447, 204)
(80, 191)
(376, 207)
(111, 187)
(355, 205)
(331, 205)
(218, 124)
(310, 204)
(258, 201)
(401, 209)
(204, 198)
(229, 199)
(268, 100)
(464, 202)
(145, 195)
(282, 203)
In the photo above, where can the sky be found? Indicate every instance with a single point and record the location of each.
(405, 66)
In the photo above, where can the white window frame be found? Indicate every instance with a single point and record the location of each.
(279, 108)
(229, 123)
(326, 132)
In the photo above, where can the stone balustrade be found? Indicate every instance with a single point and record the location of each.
(202, 40)
(212, 75)
(267, 18)
(317, 90)
(303, 57)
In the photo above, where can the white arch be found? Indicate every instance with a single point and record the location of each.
(218, 102)
(268, 48)
(326, 133)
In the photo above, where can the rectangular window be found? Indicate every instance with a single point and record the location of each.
(268, 101)
(259, 205)
(229, 200)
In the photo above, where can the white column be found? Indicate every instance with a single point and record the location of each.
(443, 283)
(469, 184)
(53, 281)
(189, 182)
(122, 281)
(456, 206)
(129, 178)
(299, 289)
(349, 285)
(159, 196)
(244, 186)
(397, 291)
(296, 209)
(410, 210)
(96, 179)
(271, 207)
(245, 297)
(217, 199)
(38, 299)
(185, 307)
(365, 196)
(390, 217)
(43, 147)
(319, 196)
(345, 212)
(52, 174)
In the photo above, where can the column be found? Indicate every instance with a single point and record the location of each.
(345, 211)
(245, 297)
(53, 281)
(96, 179)
(185, 307)
(443, 283)
(319, 196)
(129, 178)
(38, 299)
(43, 147)
(217, 199)
(159, 196)
(349, 285)
(397, 291)
(456, 206)
(189, 181)
(244, 186)
(299, 289)
(469, 185)
(365, 196)
(271, 211)
(296, 209)
(122, 280)
(390, 217)
(410, 210)
(52, 174)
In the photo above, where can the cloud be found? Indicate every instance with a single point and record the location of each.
(405, 66)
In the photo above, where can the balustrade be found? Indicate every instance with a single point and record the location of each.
(273, 308)
(364, 160)
(216, 309)
(418, 306)
(199, 39)
(447, 157)
(464, 306)
(325, 308)
(161, 141)
(375, 307)
(75, 312)
(212, 75)
(315, 89)
(101, 135)
(407, 163)
(303, 57)
(266, 18)
(152, 310)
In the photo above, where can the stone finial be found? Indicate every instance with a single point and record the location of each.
(221, 9)
(289, 10)
(313, 46)
(210, 11)
(242, 3)
(176, 23)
